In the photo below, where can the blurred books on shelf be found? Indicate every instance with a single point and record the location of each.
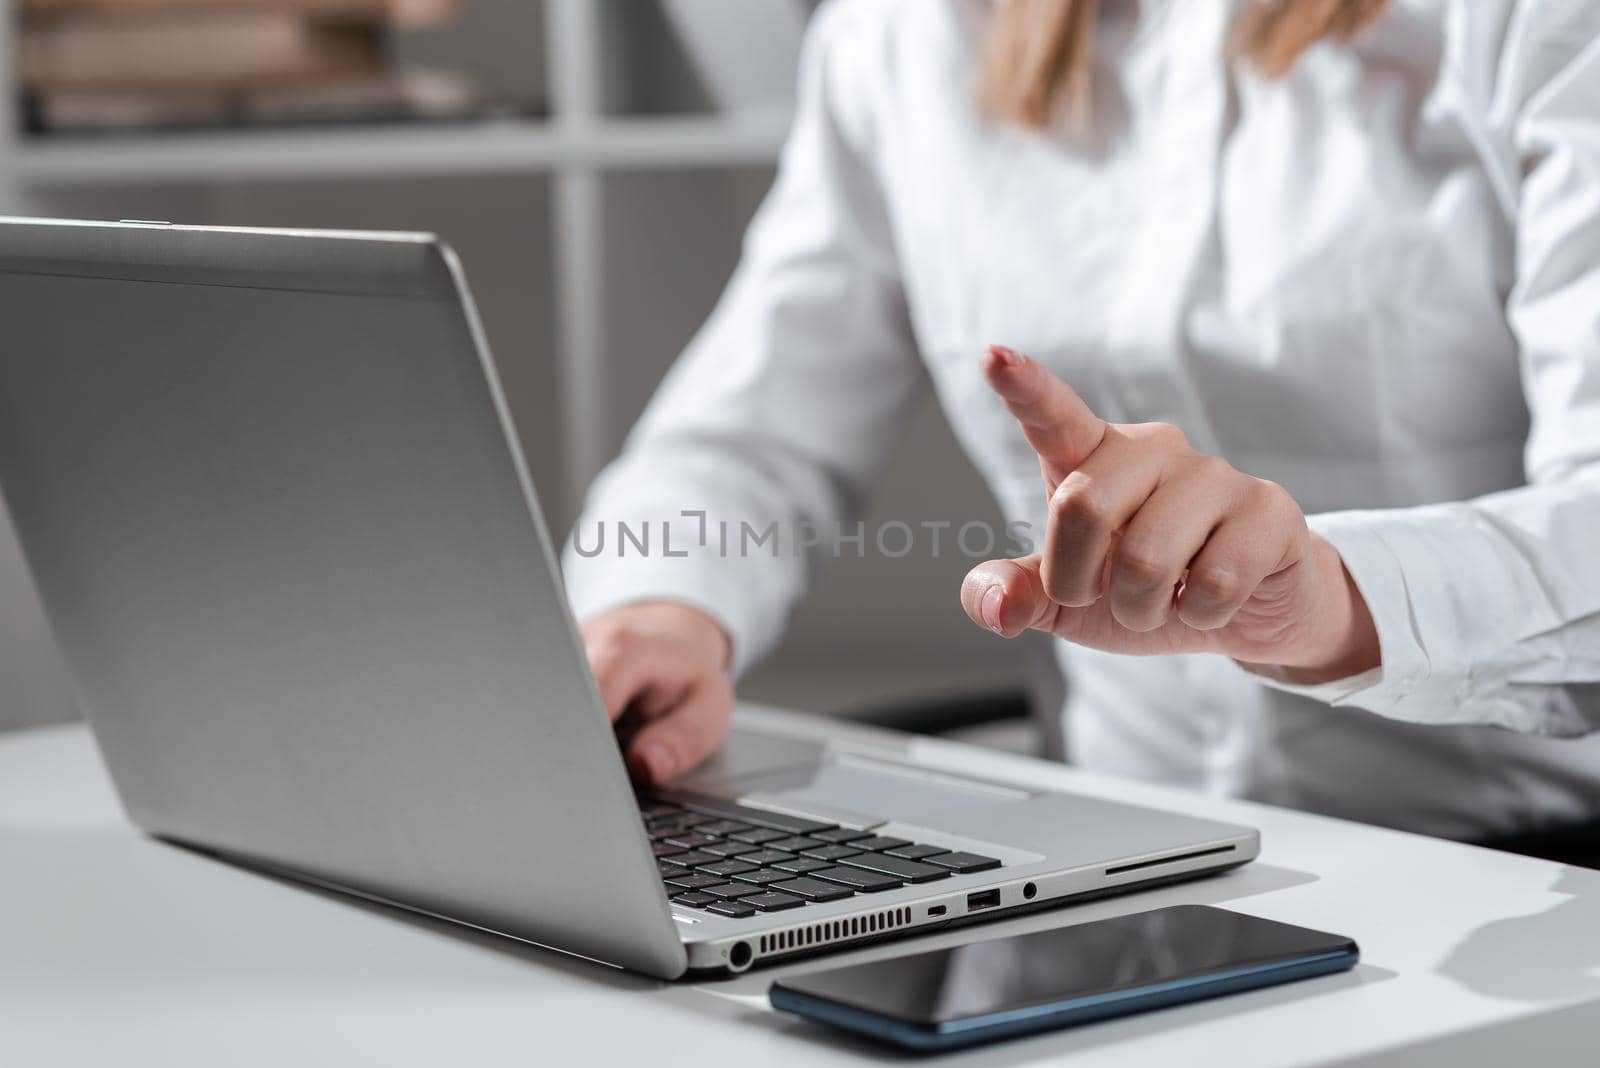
(199, 50)
(405, 14)
(106, 65)
(413, 94)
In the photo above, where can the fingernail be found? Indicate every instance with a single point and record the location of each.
(993, 597)
(658, 761)
(1008, 356)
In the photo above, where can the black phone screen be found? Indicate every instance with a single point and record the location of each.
(1065, 964)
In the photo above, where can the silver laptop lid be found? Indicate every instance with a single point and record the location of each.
(277, 513)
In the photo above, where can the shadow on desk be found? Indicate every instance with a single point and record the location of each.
(1561, 1038)
(1559, 968)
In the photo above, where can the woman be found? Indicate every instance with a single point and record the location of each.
(1324, 278)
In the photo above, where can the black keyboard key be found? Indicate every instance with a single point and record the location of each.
(694, 899)
(916, 852)
(800, 865)
(736, 909)
(796, 844)
(655, 809)
(726, 891)
(964, 863)
(729, 849)
(762, 876)
(661, 834)
(726, 868)
(831, 852)
(765, 857)
(692, 840)
(867, 882)
(692, 859)
(692, 880)
(687, 819)
(912, 871)
(662, 849)
(796, 825)
(669, 869)
(758, 835)
(842, 834)
(773, 902)
(877, 843)
(722, 827)
(813, 889)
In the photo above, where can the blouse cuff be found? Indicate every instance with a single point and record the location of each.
(729, 594)
(1414, 682)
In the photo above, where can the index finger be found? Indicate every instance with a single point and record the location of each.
(1059, 426)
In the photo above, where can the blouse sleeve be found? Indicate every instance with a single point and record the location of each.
(775, 422)
(1488, 610)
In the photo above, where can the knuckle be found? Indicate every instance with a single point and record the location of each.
(604, 656)
(1078, 505)
(613, 631)
(1216, 585)
(1141, 566)
(1268, 493)
(609, 645)
(1214, 467)
(1278, 502)
(1165, 435)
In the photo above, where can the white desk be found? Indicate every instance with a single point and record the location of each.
(118, 950)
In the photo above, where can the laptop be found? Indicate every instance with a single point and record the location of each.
(273, 501)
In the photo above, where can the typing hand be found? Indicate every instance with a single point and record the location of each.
(1153, 548)
(665, 665)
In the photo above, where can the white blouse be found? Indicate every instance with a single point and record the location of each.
(1376, 282)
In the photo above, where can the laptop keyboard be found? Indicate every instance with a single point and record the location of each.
(731, 860)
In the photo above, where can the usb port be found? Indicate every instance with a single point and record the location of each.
(935, 910)
(983, 899)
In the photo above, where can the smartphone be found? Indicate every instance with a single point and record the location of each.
(1062, 977)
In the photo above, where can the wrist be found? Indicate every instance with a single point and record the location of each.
(1343, 642)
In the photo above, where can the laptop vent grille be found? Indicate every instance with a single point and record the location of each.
(818, 934)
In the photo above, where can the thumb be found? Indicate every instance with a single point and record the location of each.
(1007, 596)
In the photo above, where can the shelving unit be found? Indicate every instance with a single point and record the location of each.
(489, 147)
(576, 145)
(597, 237)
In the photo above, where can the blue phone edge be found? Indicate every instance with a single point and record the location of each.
(1048, 1017)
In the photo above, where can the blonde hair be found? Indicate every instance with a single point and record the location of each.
(1039, 55)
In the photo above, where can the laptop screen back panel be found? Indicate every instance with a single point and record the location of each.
(274, 506)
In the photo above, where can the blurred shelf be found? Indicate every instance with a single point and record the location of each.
(501, 146)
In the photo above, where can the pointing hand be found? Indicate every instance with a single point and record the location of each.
(1152, 547)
